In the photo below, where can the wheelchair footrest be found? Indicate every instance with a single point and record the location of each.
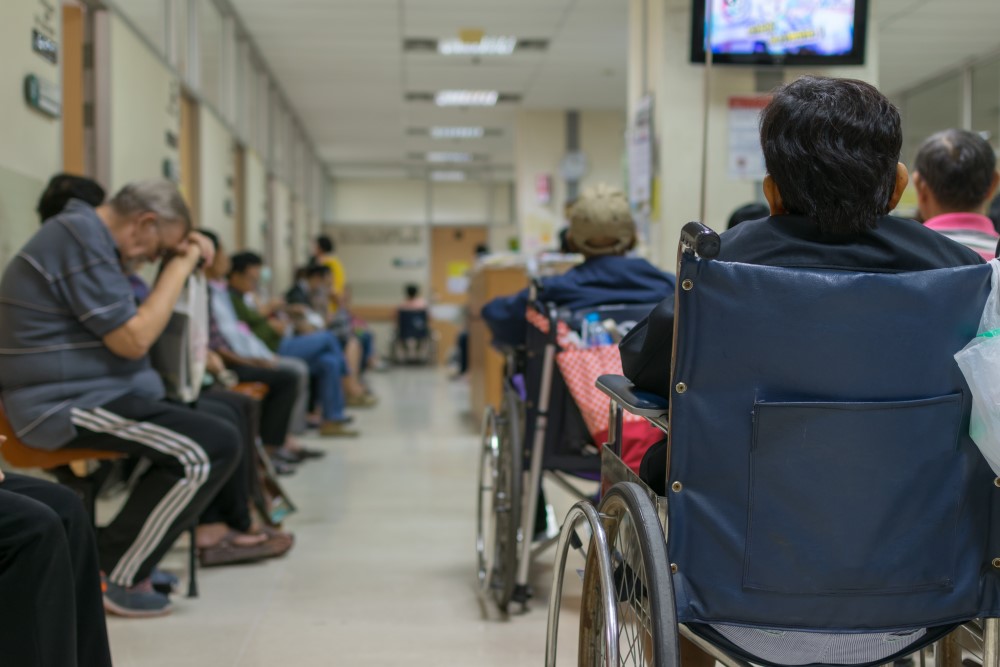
(522, 594)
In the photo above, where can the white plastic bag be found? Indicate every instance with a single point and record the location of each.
(181, 352)
(980, 364)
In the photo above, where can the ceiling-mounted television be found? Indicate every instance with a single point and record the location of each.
(780, 32)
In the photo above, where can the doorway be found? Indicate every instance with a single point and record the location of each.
(453, 254)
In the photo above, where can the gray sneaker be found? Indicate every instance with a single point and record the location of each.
(138, 601)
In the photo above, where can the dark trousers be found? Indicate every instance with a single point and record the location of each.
(51, 613)
(192, 455)
(276, 408)
(231, 505)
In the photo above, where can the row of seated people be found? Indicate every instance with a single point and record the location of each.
(832, 149)
(76, 373)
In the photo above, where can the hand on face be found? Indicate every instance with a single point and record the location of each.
(195, 248)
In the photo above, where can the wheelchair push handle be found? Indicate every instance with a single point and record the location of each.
(701, 240)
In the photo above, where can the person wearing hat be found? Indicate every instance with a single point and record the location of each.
(601, 228)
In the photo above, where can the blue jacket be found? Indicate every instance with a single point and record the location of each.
(599, 281)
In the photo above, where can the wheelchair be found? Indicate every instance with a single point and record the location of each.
(414, 341)
(820, 479)
(537, 432)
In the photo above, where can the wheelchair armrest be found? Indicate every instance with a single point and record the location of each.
(641, 403)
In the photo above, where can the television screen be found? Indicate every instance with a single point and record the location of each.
(780, 32)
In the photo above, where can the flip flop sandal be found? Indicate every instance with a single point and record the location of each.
(227, 552)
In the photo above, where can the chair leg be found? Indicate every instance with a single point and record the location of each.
(192, 563)
(991, 642)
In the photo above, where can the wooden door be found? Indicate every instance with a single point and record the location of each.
(453, 253)
(239, 193)
(190, 152)
(73, 95)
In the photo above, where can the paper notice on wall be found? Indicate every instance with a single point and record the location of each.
(640, 155)
(746, 160)
(538, 231)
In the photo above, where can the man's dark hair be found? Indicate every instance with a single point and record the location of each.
(243, 261)
(317, 271)
(748, 212)
(211, 236)
(831, 146)
(63, 187)
(326, 244)
(958, 166)
(412, 291)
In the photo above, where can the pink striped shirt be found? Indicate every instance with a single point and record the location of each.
(972, 230)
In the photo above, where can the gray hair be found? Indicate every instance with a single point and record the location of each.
(153, 196)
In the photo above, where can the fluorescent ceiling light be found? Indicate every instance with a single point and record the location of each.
(466, 98)
(487, 46)
(448, 176)
(441, 157)
(457, 132)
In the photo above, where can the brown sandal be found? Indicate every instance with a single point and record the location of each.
(227, 552)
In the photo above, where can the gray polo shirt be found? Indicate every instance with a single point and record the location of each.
(59, 297)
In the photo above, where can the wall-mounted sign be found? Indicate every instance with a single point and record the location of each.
(171, 170)
(43, 96)
(746, 158)
(44, 46)
(640, 155)
(543, 189)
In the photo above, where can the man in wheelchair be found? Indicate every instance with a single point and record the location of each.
(602, 230)
(831, 147)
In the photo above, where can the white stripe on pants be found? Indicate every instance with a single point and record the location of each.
(188, 453)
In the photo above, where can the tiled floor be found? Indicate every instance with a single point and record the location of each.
(383, 569)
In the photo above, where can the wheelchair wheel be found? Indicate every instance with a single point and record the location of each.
(644, 608)
(499, 517)
(485, 528)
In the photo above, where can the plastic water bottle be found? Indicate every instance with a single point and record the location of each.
(597, 335)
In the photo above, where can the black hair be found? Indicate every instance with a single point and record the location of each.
(958, 166)
(412, 291)
(831, 146)
(316, 270)
(482, 249)
(565, 247)
(243, 261)
(63, 187)
(326, 244)
(211, 236)
(748, 212)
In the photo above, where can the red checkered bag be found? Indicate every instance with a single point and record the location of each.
(580, 368)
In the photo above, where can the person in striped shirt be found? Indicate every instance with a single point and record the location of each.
(955, 176)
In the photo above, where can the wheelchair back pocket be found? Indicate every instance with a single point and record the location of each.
(854, 498)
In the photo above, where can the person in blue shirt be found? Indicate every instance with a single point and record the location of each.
(601, 228)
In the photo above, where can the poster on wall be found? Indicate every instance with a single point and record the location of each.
(640, 155)
(746, 160)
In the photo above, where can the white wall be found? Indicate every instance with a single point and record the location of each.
(382, 227)
(138, 105)
(280, 249)
(540, 145)
(255, 205)
(31, 149)
(215, 169)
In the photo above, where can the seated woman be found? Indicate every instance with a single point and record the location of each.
(413, 334)
(601, 228)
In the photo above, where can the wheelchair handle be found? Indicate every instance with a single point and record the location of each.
(700, 239)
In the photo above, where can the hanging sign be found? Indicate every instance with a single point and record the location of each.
(43, 96)
(746, 159)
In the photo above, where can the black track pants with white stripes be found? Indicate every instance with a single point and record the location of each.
(192, 455)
